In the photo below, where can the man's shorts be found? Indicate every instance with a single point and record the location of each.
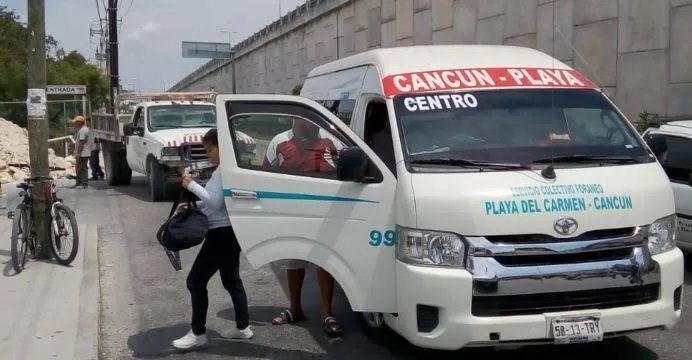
(292, 264)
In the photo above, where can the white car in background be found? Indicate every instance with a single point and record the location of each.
(676, 139)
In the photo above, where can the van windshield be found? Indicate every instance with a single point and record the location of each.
(181, 116)
(568, 127)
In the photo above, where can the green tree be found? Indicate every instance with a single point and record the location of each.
(61, 68)
(13, 60)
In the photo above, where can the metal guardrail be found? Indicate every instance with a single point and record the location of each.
(65, 141)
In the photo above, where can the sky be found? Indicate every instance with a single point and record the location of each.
(151, 31)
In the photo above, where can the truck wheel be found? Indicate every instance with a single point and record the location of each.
(157, 184)
(125, 170)
(112, 168)
(117, 170)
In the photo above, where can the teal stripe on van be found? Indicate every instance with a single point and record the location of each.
(299, 196)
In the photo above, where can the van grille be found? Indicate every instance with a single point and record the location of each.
(532, 304)
(564, 258)
(542, 238)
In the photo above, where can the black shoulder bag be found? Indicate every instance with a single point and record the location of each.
(185, 228)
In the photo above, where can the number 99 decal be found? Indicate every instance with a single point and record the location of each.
(388, 239)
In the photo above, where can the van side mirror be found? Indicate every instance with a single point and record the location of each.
(352, 164)
(657, 144)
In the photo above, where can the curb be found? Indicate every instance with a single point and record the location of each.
(87, 342)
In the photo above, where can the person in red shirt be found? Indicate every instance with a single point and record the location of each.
(305, 148)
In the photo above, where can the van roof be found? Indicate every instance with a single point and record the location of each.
(681, 126)
(409, 59)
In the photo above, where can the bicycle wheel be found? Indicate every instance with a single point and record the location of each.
(64, 243)
(18, 239)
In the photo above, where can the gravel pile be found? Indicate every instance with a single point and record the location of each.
(14, 155)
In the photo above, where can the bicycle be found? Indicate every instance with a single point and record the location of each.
(63, 225)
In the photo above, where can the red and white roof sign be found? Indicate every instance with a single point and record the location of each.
(484, 78)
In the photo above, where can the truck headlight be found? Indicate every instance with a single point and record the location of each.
(432, 248)
(662, 235)
(169, 151)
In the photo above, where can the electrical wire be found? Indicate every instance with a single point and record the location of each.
(128, 8)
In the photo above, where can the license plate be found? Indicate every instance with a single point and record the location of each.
(576, 330)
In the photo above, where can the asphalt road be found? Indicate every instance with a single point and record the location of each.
(145, 303)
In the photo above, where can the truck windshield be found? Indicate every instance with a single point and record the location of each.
(181, 116)
(537, 126)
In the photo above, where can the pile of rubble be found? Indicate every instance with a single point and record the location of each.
(14, 155)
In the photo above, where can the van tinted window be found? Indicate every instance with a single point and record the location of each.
(678, 159)
(343, 109)
(514, 126)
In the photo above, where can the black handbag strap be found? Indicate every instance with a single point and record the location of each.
(183, 196)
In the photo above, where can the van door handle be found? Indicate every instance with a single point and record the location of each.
(244, 194)
(144, 142)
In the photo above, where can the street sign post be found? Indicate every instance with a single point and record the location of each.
(206, 50)
(66, 89)
(211, 50)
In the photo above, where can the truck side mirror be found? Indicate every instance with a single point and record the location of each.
(352, 164)
(132, 130)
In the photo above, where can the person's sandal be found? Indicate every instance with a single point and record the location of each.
(287, 317)
(331, 326)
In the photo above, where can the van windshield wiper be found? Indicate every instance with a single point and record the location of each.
(587, 159)
(470, 163)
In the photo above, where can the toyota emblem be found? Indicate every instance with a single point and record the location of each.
(565, 226)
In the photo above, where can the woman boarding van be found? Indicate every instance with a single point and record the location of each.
(476, 195)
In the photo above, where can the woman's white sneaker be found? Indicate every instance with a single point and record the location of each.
(190, 340)
(236, 333)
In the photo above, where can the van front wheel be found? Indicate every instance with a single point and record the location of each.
(373, 320)
(374, 327)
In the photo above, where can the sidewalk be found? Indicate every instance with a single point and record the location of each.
(49, 311)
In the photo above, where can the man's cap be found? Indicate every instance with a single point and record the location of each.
(79, 119)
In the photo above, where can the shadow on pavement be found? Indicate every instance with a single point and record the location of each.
(155, 343)
(8, 270)
(138, 188)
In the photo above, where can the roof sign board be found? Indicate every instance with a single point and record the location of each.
(462, 79)
(206, 50)
(66, 89)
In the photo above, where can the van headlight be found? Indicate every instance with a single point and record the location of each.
(169, 151)
(432, 248)
(662, 235)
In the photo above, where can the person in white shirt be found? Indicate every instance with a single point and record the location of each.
(82, 151)
(220, 252)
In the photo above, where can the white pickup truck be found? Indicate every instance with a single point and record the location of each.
(163, 134)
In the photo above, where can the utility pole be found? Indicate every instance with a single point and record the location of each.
(113, 47)
(38, 123)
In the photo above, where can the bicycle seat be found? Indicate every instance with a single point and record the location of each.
(23, 186)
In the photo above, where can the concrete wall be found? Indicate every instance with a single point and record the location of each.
(640, 50)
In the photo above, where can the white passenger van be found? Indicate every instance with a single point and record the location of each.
(480, 195)
(676, 136)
